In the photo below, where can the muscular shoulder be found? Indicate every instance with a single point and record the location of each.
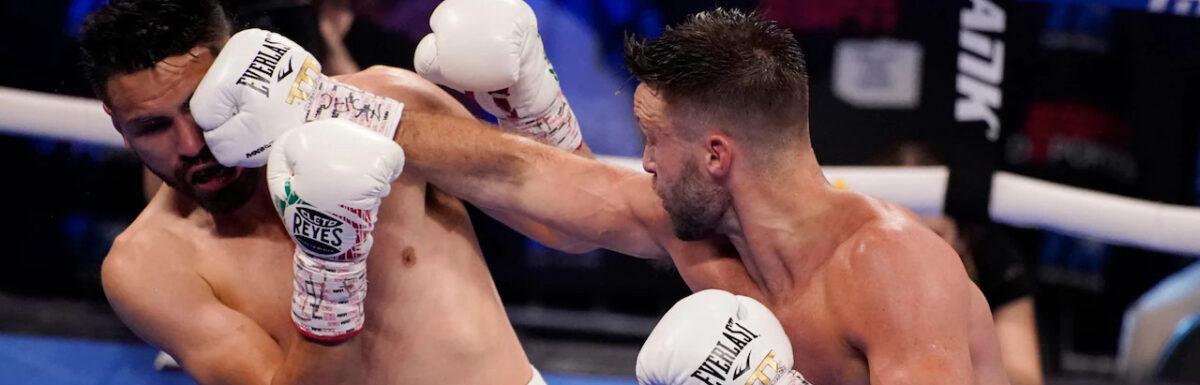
(889, 265)
(405, 86)
(888, 237)
(146, 245)
(162, 224)
(152, 282)
(144, 250)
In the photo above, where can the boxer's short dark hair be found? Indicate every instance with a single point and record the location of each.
(738, 66)
(126, 36)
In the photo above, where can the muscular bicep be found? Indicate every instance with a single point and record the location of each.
(907, 309)
(175, 310)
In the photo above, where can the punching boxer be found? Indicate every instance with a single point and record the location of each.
(865, 291)
(209, 273)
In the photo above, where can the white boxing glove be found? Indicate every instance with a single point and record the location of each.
(262, 84)
(327, 179)
(713, 337)
(491, 50)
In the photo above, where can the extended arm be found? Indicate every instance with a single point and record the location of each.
(589, 203)
(562, 199)
(421, 98)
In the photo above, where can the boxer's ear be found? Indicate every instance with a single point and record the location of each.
(720, 155)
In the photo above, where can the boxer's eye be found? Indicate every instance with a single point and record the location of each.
(186, 107)
(149, 126)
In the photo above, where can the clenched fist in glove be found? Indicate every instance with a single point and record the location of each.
(262, 84)
(491, 50)
(327, 179)
(713, 337)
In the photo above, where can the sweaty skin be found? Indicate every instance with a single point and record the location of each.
(213, 290)
(866, 292)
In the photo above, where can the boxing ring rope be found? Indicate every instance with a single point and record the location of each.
(1015, 200)
(60, 117)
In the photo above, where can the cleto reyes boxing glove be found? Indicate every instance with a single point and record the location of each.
(327, 179)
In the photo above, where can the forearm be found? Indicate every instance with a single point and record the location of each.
(469, 159)
(534, 229)
(565, 200)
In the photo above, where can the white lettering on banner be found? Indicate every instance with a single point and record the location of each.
(980, 65)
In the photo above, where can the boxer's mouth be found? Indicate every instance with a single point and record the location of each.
(213, 177)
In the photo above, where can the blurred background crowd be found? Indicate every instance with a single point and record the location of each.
(1098, 94)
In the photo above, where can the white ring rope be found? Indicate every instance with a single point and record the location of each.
(60, 117)
(1015, 200)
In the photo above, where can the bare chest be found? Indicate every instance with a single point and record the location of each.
(254, 277)
(428, 286)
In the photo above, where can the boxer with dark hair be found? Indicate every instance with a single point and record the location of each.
(210, 274)
(864, 291)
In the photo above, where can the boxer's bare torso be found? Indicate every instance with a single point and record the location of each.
(866, 292)
(869, 280)
(866, 270)
(215, 290)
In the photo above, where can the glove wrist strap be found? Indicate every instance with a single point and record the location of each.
(789, 377)
(557, 126)
(327, 298)
(333, 99)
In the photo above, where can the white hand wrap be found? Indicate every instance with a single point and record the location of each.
(789, 377)
(556, 126)
(328, 297)
(335, 100)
